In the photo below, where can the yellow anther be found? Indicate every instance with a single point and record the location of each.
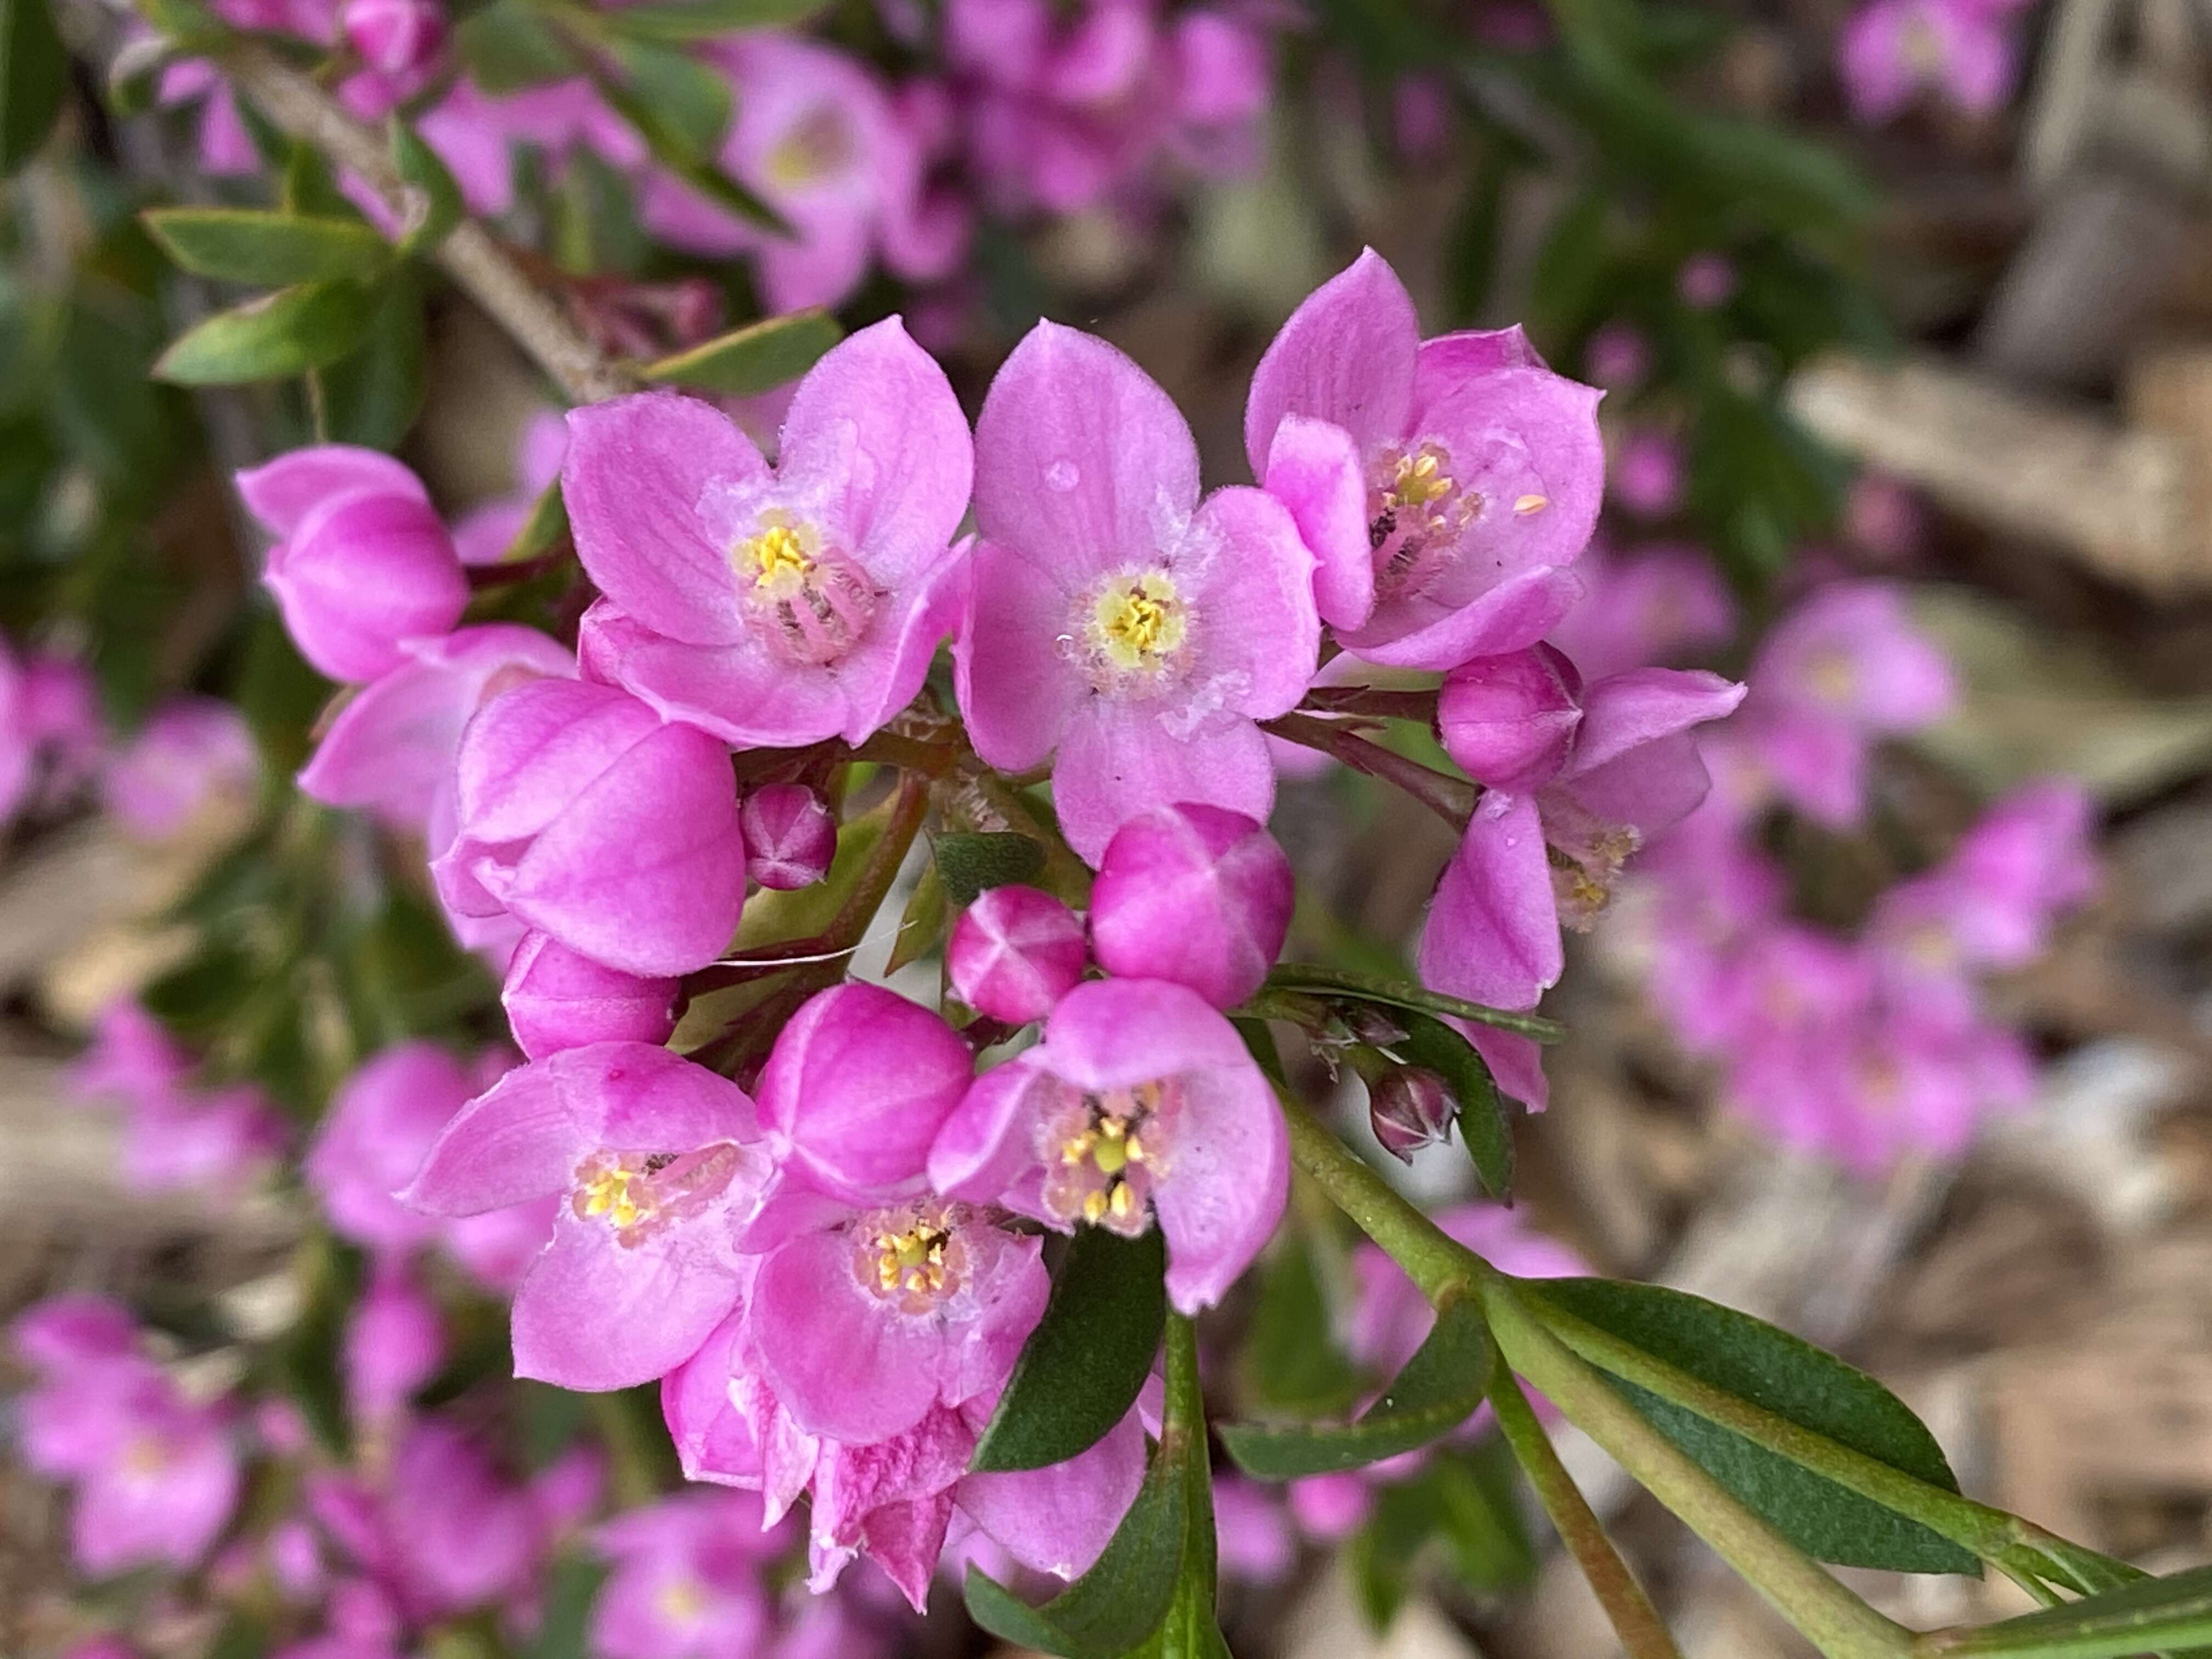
(1139, 620)
(1133, 1149)
(1076, 1148)
(1526, 505)
(609, 1193)
(683, 1600)
(1094, 1207)
(777, 557)
(1121, 1204)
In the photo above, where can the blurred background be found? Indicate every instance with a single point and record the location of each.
(1905, 311)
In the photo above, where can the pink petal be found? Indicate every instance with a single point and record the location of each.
(636, 473)
(985, 1144)
(1059, 1519)
(594, 1314)
(1224, 1189)
(1346, 356)
(1256, 596)
(1117, 1033)
(1118, 757)
(1315, 469)
(1625, 711)
(1016, 690)
(1082, 461)
(1492, 934)
(533, 750)
(282, 493)
(847, 1365)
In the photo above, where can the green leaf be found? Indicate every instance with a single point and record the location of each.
(284, 333)
(1090, 1354)
(2134, 1619)
(269, 250)
(689, 103)
(434, 206)
(922, 924)
(1438, 1390)
(1485, 1122)
(1290, 1366)
(672, 147)
(33, 79)
(372, 396)
(507, 47)
(547, 524)
(1471, 254)
(1791, 1379)
(754, 358)
(702, 20)
(572, 1585)
(969, 864)
(1151, 1592)
(1403, 994)
(307, 1356)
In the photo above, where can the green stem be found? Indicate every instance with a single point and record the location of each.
(1837, 1622)
(1451, 798)
(1642, 1633)
(1431, 1259)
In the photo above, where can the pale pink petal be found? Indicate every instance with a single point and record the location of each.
(1346, 356)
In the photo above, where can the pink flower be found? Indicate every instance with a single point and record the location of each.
(1444, 486)
(1112, 615)
(132, 1059)
(1892, 50)
(194, 750)
(686, 1583)
(779, 607)
(555, 998)
(791, 837)
(362, 563)
(1649, 605)
(656, 1157)
(1014, 953)
(394, 1344)
(1194, 894)
(216, 1142)
(1141, 1102)
(1705, 281)
(584, 816)
(818, 138)
(394, 36)
(1493, 935)
(1844, 668)
(1619, 356)
(1647, 475)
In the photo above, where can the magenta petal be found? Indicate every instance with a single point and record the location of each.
(738, 692)
(1625, 711)
(1451, 357)
(1517, 1063)
(1346, 356)
(1492, 934)
(1080, 457)
(876, 437)
(1016, 690)
(1059, 1519)
(531, 751)
(636, 473)
(645, 870)
(1088, 1040)
(1511, 617)
(1255, 593)
(594, 1314)
(715, 1440)
(985, 1144)
(281, 493)
(847, 1365)
(1313, 469)
(1118, 758)
(1227, 1181)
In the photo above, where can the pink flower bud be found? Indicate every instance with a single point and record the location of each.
(364, 563)
(1409, 1107)
(1195, 894)
(395, 36)
(1618, 357)
(1015, 952)
(1509, 721)
(790, 836)
(555, 998)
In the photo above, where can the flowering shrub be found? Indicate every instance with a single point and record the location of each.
(898, 1080)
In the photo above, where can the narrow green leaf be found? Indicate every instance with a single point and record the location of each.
(1290, 1366)
(547, 524)
(372, 396)
(1438, 1390)
(283, 333)
(1404, 993)
(572, 1584)
(691, 103)
(434, 204)
(752, 358)
(1090, 1354)
(1793, 1380)
(1152, 1590)
(506, 47)
(1486, 1123)
(702, 20)
(2134, 1619)
(969, 864)
(270, 250)
(922, 924)
(33, 79)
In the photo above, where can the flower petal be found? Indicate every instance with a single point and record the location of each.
(281, 493)
(1227, 1182)
(1346, 356)
(1255, 595)
(1119, 757)
(847, 1365)
(595, 1313)
(1492, 934)
(1313, 469)
(1015, 688)
(1118, 1033)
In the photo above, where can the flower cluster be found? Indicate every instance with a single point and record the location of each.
(176, 1135)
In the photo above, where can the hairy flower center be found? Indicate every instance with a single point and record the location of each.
(807, 601)
(1416, 511)
(1134, 626)
(1103, 1151)
(817, 145)
(638, 1196)
(912, 1255)
(1833, 676)
(1583, 876)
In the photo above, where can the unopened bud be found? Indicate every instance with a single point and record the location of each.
(1015, 952)
(1195, 894)
(790, 836)
(1510, 720)
(1410, 1107)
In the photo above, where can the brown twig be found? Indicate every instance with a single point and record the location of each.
(300, 108)
(1451, 798)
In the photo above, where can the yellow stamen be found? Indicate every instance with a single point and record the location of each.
(1094, 1207)
(1528, 504)
(776, 557)
(1140, 620)
(1121, 1204)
